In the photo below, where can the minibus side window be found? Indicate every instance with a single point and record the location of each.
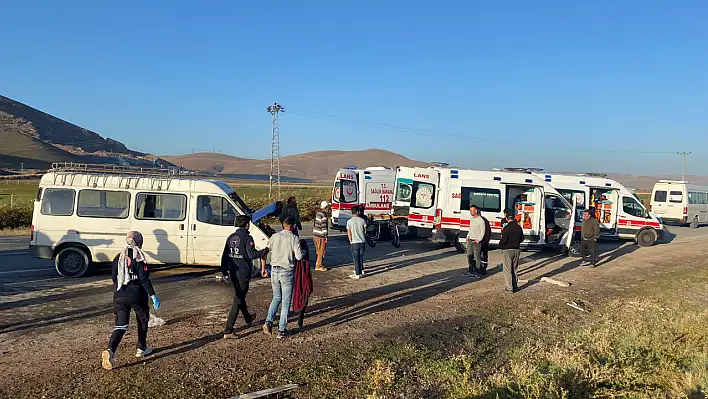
(103, 204)
(660, 196)
(58, 202)
(149, 206)
(215, 210)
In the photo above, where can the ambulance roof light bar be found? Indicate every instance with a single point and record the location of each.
(353, 167)
(523, 170)
(440, 164)
(590, 174)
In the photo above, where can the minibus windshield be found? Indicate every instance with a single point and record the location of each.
(240, 203)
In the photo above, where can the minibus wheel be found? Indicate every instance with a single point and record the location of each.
(646, 238)
(72, 262)
(694, 223)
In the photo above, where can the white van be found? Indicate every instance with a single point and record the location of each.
(370, 189)
(679, 202)
(619, 211)
(82, 214)
(447, 194)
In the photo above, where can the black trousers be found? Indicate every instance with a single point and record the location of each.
(485, 257)
(132, 296)
(589, 246)
(241, 284)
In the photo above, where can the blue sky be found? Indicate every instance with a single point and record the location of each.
(546, 84)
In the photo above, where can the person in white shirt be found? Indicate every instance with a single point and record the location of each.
(474, 242)
(284, 248)
(356, 231)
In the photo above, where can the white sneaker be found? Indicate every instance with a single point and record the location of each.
(143, 352)
(107, 359)
(363, 273)
(355, 276)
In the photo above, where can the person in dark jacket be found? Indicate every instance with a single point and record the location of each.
(485, 245)
(512, 236)
(290, 209)
(237, 265)
(131, 290)
(590, 232)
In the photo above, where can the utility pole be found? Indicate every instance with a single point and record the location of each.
(274, 110)
(22, 165)
(683, 164)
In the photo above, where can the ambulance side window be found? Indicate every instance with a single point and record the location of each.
(486, 199)
(631, 207)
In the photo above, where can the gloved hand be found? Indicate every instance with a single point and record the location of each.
(155, 302)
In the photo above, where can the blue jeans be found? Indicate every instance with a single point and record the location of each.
(282, 282)
(358, 256)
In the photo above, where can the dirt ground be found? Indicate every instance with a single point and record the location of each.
(52, 348)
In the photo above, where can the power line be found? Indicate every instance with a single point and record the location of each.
(423, 132)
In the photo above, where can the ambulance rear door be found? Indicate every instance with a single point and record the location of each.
(424, 189)
(403, 191)
(377, 191)
(345, 196)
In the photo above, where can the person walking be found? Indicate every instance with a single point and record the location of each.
(590, 232)
(512, 236)
(290, 209)
(356, 232)
(474, 242)
(131, 289)
(237, 265)
(320, 234)
(485, 245)
(284, 249)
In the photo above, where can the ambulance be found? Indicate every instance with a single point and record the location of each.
(620, 213)
(371, 189)
(441, 210)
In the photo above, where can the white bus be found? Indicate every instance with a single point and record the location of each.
(619, 211)
(679, 202)
(82, 214)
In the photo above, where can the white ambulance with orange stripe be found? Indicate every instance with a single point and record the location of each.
(544, 214)
(619, 211)
(371, 189)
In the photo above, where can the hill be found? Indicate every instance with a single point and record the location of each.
(314, 166)
(36, 139)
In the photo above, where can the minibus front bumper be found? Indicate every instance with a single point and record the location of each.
(41, 251)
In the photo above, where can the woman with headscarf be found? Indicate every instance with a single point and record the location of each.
(132, 288)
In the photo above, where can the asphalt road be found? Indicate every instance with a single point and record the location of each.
(31, 291)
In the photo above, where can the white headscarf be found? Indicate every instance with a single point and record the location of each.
(134, 241)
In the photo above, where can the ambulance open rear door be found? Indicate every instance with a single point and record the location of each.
(345, 195)
(423, 199)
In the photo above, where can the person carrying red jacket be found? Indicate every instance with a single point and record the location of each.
(303, 284)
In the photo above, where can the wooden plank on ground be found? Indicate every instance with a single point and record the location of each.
(267, 392)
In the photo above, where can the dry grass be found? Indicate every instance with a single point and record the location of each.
(24, 231)
(653, 346)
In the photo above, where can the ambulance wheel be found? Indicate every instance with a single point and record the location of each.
(646, 238)
(694, 223)
(575, 249)
(460, 247)
(72, 262)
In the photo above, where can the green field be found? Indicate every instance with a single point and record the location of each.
(21, 193)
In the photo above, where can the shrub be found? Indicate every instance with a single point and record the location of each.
(15, 217)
